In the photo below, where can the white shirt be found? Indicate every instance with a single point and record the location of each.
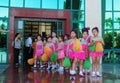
(28, 42)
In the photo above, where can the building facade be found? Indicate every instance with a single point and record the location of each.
(45, 16)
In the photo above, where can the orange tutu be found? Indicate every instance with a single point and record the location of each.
(99, 47)
(77, 47)
(31, 61)
(45, 57)
(47, 50)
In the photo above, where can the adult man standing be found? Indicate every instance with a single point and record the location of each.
(28, 48)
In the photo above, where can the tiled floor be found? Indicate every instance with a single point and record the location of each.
(111, 74)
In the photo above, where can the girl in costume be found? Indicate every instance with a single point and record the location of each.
(39, 50)
(79, 54)
(55, 41)
(86, 39)
(61, 53)
(84, 43)
(97, 52)
(51, 46)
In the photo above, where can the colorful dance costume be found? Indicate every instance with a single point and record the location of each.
(81, 54)
(54, 40)
(61, 53)
(39, 49)
(51, 46)
(65, 46)
(70, 50)
(98, 50)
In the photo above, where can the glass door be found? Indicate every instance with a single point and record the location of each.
(3, 41)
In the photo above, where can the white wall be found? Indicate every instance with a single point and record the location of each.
(93, 14)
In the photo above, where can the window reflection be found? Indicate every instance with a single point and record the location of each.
(3, 36)
(64, 4)
(117, 5)
(32, 3)
(3, 57)
(78, 16)
(108, 4)
(4, 2)
(3, 12)
(16, 3)
(49, 4)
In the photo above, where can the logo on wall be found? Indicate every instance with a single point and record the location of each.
(60, 13)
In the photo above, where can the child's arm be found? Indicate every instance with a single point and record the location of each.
(91, 42)
(102, 41)
(67, 47)
(53, 47)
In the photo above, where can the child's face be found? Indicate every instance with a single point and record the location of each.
(53, 34)
(49, 40)
(59, 39)
(84, 35)
(95, 33)
(35, 40)
(38, 38)
(73, 34)
(66, 38)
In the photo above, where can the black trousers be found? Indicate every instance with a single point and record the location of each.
(16, 55)
(28, 52)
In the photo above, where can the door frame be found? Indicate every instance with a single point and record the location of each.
(33, 20)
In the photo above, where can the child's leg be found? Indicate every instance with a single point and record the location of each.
(74, 63)
(81, 68)
(93, 65)
(35, 61)
(98, 65)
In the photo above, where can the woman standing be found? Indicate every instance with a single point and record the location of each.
(17, 47)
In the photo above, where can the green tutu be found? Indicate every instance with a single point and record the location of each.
(54, 57)
(66, 62)
(87, 64)
(93, 47)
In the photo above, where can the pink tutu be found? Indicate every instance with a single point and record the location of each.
(95, 54)
(39, 50)
(70, 54)
(61, 54)
(84, 47)
(80, 55)
(65, 48)
(38, 53)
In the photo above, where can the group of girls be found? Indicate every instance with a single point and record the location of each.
(77, 49)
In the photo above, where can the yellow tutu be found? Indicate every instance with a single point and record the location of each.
(31, 61)
(47, 50)
(45, 57)
(99, 47)
(77, 47)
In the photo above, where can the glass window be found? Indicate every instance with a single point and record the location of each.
(16, 3)
(108, 15)
(3, 12)
(77, 4)
(64, 4)
(116, 5)
(49, 4)
(32, 3)
(4, 2)
(108, 4)
(3, 56)
(117, 16)
(78, 26)
(78, 16)
(116, 25)
(82, 4)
